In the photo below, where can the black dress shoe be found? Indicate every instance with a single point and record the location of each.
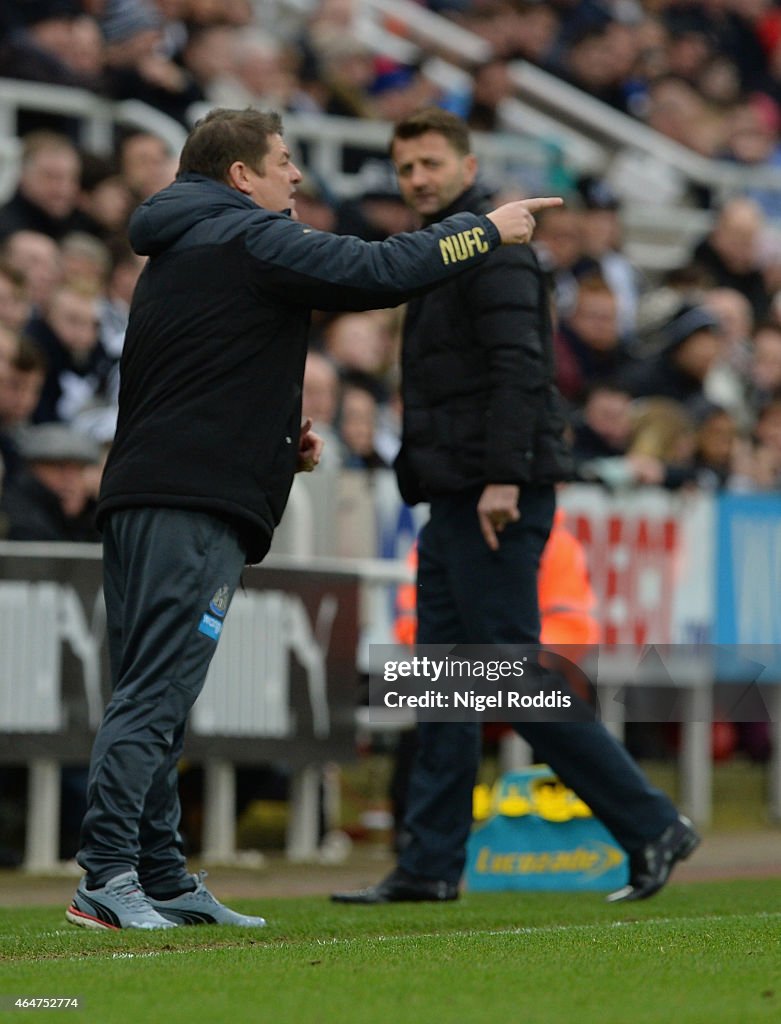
(399, 887)
(650, 867)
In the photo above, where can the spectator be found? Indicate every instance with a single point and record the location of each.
(379, 210)
(663, 442)
(690, 44)
(49, 500)
(603, 435)
(346, 71)
(730, 254)
(764, 466)
(25, 374)
(85, 259)
(137, 66)
(145, 163)
(253, 73)
(202, 13)
(47, 44)
(401, 90)
(38, 259)
(558, 242)
(715, 444)
(676, 109)
(492, 85)
(753, 142)
(48, 190)
(321, 393)
(736, 317)
(719, 83)
(651, 39)
(209, 56)
(78, 365)
(604, 425)
(313, 205)
(764, 370)
(592, 63)
(691, 347)
(15, 308)
(587, 343)
(533, 31)
(114, 306)
(20, 391)
(601, 249)
(85, 51)
(725, 384)
(358, 428)
(320, 401)
(356, 342)
(105, 199)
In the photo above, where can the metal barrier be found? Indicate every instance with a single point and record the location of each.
(294, 633)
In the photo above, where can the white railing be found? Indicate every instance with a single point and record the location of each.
(97, 116)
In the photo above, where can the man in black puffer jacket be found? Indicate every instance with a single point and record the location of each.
(208, 438)
(483, 443)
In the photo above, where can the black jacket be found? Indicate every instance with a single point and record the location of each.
(213, 361)
(480, 405)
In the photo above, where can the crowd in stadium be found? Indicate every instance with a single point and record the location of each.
(674, 381)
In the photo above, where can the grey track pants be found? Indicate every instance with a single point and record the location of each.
(169, 576)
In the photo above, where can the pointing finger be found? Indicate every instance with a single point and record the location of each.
(541, 204)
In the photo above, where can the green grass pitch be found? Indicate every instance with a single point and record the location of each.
(704, 953)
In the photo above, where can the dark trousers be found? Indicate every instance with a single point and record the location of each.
(468, 594)
(168, 577)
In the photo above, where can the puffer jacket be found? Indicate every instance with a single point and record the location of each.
(480, 403)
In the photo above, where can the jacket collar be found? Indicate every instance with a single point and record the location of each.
(474, 200)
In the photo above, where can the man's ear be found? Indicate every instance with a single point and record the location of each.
(470, 168)
(238, 178)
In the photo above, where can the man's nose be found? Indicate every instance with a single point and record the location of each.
(418, 177)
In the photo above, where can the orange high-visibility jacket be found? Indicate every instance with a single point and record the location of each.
(567, 599)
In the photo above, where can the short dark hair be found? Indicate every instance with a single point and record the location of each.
(224, 136)
(434, 119)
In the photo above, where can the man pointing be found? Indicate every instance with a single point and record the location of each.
(208, 439)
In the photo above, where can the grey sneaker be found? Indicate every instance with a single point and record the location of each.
(200, 907)
(120, 903)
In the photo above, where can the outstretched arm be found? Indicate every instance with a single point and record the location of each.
(326, 271)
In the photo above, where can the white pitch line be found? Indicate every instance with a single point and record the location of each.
(464, 933)
(469, 933)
